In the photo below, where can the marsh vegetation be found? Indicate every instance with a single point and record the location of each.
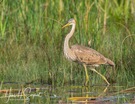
(31, 42)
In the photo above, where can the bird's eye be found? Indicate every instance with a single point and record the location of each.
(71, 20)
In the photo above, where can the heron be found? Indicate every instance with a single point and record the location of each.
(84, 55)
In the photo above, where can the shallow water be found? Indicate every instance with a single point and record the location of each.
(39, 94)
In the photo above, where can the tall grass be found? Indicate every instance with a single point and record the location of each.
(31, 38)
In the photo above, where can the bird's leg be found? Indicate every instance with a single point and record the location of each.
(87, 76)
(100, 75)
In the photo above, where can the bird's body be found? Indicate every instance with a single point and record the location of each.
(82, 54)
(89, 56)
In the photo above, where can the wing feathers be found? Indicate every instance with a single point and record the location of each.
(88, 55)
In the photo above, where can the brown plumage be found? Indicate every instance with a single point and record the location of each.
(89, 56)
(84, 55)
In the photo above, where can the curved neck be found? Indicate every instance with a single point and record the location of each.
(69, 35)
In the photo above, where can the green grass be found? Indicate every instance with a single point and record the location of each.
(31, 39)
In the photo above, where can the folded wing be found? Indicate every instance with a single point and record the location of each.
(88, 55)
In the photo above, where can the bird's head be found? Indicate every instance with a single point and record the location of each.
(70, 22)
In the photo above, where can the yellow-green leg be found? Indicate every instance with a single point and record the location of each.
(87, 76)
(101, 76)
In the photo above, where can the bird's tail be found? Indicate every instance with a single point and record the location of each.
(111, 63)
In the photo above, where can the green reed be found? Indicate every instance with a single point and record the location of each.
(31, 38)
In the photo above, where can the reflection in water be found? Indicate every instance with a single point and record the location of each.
(90, 95)
(67, 94)
(103, 94)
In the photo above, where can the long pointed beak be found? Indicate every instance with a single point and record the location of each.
(66, 25)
